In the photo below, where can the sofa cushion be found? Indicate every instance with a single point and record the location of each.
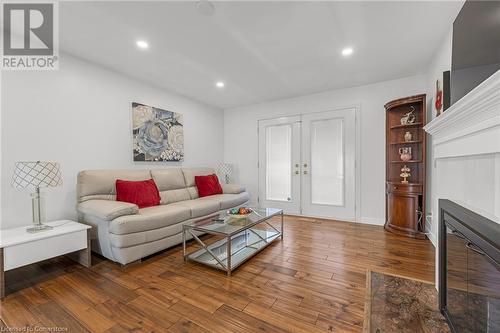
(143, 193)
(93, 184)
(207, 185)
(171, 196)
(190, 173)
(227, 201)
(200, 207)
(142, 237)
(232, 189)
(149, 218)
(107, 210)
(145, 237)
(168, 179)
(193, 192)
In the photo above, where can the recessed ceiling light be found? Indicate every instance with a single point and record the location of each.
(220, 84)
(347, 51)
(142, 44)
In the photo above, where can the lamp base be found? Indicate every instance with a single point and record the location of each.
(38, 228)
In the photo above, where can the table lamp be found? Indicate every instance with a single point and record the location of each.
(35, 175)
(225, 169)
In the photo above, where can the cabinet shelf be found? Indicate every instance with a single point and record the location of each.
(407, 126)
(405, 142)
(410, 161)
(398, 183)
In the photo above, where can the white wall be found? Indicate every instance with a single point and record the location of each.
(241, 141)
(81, 116)
(440, 63)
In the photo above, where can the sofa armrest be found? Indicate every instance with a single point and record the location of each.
(107, 210)
(232, 189)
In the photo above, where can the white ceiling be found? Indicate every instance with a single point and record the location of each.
(262, 50)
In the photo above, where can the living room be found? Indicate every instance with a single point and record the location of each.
(234, 166)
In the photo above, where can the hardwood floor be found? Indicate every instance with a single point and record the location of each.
(311, 281)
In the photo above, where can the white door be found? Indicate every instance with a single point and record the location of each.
(328, 164)
(279, 164)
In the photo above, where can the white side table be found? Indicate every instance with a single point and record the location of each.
(19, 248)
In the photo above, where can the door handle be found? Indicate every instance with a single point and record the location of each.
(305, 172)
(471, 247)
(476, 249)
(458, 234)
(297, 172)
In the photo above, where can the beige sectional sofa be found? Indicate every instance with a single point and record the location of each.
(124, 233)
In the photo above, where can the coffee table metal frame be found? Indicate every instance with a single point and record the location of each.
(228, 268)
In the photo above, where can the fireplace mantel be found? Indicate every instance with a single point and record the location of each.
(466, 153)
(471, 126)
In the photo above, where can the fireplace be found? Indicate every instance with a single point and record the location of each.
(469, 269)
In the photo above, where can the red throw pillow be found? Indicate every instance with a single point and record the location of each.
(143, 193)
(207, 185)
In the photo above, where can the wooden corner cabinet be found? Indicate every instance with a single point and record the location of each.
(406, 156)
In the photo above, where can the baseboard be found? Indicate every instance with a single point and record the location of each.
(362, 220)
(371, 220)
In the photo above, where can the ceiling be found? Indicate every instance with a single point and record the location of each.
(262, 50)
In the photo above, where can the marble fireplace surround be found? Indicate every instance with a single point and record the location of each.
(465, 154)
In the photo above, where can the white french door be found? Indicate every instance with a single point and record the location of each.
(307, 164)
(279, 164)
(328, 161)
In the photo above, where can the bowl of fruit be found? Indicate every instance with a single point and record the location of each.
(239, 212)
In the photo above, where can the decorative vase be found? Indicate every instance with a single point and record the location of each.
(405, 153)
(408, 137)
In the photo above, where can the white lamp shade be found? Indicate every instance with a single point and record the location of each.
(36, 174)
(225, 169)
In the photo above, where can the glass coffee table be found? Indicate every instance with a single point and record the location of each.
(240, 238)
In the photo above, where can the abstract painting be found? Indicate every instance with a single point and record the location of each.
(158, 134)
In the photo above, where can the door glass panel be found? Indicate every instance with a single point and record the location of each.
(278, 162)
(327, 162)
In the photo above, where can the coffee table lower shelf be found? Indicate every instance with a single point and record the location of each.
(241, 247)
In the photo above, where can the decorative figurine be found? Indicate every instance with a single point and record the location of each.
(408, 137)
(405, 153)
(439, 99)
(405, 173)
(409, 118)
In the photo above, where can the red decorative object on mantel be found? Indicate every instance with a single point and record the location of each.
(438, 104)
(406, 166)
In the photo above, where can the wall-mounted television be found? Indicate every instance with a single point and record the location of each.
(476, 46)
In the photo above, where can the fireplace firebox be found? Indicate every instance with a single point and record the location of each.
(469, 269)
